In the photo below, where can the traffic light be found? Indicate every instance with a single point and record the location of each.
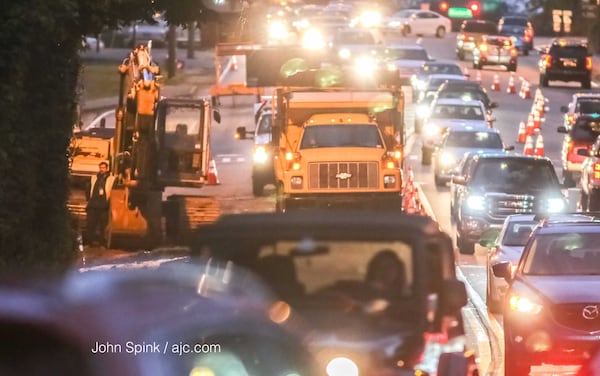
(475, 8)
(443, 7)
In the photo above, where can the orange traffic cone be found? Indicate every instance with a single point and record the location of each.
(528, 150)
(234, 64)
(537, 121)
(539, 145)
(496, 83)
(522, 132)
(511, 89)
(525, 92)
(212, 178)
(530, 129)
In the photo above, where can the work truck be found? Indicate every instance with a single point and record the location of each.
(338, 147)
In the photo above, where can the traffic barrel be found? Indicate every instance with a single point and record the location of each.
(496, 83)
(213, 177)
(539, 145)
(522, 132)
(511, 89)
(528, 150)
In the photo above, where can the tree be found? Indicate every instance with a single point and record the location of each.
(40, 66)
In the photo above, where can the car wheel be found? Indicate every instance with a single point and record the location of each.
(439, 182)
(258, 187)
(526, 52)
(512, 67)
(440, 32)
(464, 247)
(476, 65)
(543, 80)
(568, 180)
(460, 54)
(587, 84)
(494, 306)
(405, 30)
(593, 201)
(513, 366)
(426, 156)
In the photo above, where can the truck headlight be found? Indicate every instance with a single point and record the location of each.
(422, 110)
(431, 130)
(344, 53)
(341, 366)
(555, 205)
(389, 181)
(277, 30)
(260, 155)
(313, 39)
(476, 203)
(364, 65)
(296, 182)
(447, 160)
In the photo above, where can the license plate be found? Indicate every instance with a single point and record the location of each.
(569, 63)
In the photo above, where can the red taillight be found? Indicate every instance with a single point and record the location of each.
(569, 147)
(588, 63)
(548, 60)
(571, 118)
(513, 52)
(462, 37)
(526, 38)
(475, 7)
(597, 171)
(443, 6)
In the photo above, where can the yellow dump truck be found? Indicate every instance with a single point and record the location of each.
(339, 147)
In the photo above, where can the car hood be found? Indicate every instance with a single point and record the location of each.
(559, 289)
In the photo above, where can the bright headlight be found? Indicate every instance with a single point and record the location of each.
(421, 85)
(394, 24)
(364, 66)
(313, 39)
(476, 202)
(370, 18)
(555, 205)
(277, 30)
(344, 53)
(391, 67)
(341, 366)
(523, 304)
(447, 159)
(260, 154)
(422, 110)
(431, 130)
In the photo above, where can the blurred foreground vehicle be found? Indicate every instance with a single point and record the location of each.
(174, 320)
(551, 311)
(375, 292)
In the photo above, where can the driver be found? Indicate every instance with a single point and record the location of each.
(386, 275)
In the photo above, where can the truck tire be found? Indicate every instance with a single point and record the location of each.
(586, 84)
(568, 179)
(258, 187)
(279, 199)
(464, 247)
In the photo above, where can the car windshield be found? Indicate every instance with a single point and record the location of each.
(479, 140)
(451, 111)
(588, 106)
(264, 124)
(480, 27)
(440, 69)
(517, 233)
(405, 54)
(464, 94)
(564, 254)
(585, 130)
(514, 174)
(341, 135)
(514, 21)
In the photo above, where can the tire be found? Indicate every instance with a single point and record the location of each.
(258, 187)
(279, 199)
(568, 180)
(460, 54)
(543, 80)
(440, 32)
(426, 157)
(512, 67)
(476, 65)
(513, 366)
(494, 306)
(587, 84)
(464, 247)
(439, 182)
(405, 30)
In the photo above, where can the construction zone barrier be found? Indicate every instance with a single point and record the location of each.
(539, 144)
(496, 83)
(213, 177)
(528, 149)
(525, 91)
(511, 88)
(522, 133)
(411, 196)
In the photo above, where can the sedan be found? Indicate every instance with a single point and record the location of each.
(404, 59)
(426, 22)
(428, 93)
(495, 50)
(456, 143)
(418, 80)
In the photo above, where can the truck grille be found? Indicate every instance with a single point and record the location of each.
(503, 205)
(343, 175)
(572, 316)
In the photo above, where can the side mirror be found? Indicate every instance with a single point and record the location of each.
(240, 133)
(459, 180)
(493, 105)
(509, 148)
(454, 296)
(217, 116)
(489, 237)
(562, 129)
(103, 123)
(503, 270)
(584, 152)
(564, 109)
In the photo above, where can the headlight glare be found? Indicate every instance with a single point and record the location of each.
(447, 159)
(341, 366)
(555, 205)
(476, 202)
(523, 304)
(431, 130)
(344, 53)
(422, 110)
(260, 154)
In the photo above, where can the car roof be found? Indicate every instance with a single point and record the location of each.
(433, 76)
(458, 102)
(586, 95)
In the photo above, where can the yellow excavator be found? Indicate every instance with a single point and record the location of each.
(157, 143)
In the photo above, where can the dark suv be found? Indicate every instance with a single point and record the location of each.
(497, 185)
(566, 60)
(552, 306)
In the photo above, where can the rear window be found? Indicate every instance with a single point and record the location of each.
(514, 21)
(405, 54)
(588, 106)
(441, 69)
(479, 27)
(585, 130)
(569, 51)
(517, 233)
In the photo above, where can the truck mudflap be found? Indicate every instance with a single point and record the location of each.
(374, 200)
